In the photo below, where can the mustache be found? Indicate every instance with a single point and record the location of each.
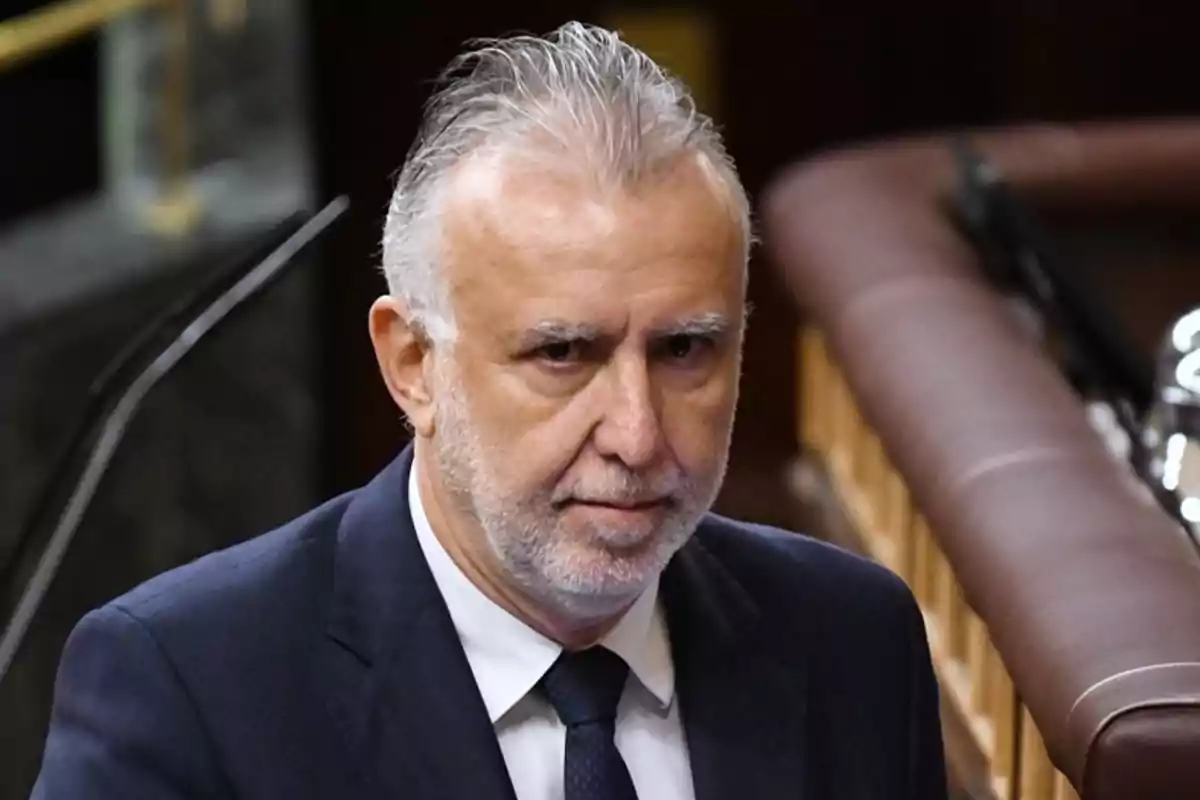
(624, 488)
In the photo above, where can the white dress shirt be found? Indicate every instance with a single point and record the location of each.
(508, 658)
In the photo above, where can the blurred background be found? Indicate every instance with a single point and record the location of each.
(151, 150)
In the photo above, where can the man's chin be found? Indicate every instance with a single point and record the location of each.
(619, 562)
(591, 570)
(597, 598)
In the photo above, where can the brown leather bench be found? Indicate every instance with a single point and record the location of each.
(1090, 591)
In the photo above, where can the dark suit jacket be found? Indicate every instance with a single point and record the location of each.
(319, 661)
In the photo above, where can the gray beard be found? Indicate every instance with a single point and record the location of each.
(525, 537)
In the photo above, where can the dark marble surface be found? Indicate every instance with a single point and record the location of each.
(225, 447)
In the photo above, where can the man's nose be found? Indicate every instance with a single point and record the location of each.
(630, 428)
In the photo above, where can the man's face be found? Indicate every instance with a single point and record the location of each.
(584, 412)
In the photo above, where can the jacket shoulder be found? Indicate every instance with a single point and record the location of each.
(790, 573)
(254, 580)
(775, 552)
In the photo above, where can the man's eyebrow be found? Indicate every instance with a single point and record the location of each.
(713, 323)
(556, 330)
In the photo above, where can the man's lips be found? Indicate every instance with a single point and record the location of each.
(623, 505)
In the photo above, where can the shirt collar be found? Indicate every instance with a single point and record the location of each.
(507, 657)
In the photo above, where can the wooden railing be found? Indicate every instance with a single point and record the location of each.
(893, 531)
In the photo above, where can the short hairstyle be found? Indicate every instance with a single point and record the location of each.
(580, 89)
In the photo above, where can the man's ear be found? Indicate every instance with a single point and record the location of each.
(401, 350)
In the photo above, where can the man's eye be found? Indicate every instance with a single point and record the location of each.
(685, 347)
(559, 352)
(680, 346)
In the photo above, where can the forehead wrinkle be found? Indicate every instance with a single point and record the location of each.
(556, 197)
(506, 227)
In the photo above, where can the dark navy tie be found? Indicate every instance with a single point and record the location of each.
(584, 688)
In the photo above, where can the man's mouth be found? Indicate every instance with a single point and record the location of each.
(624, 505)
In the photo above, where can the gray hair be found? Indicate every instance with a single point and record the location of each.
(580, 92)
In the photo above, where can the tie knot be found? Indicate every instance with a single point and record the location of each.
(585, 686)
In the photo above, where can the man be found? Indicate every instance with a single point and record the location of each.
(533, 601)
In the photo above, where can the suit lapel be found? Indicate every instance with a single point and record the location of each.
(742, 710)
(401, 690)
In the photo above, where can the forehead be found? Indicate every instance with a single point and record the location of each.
(522, 240)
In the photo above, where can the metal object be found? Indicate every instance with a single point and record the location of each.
(1171, 432)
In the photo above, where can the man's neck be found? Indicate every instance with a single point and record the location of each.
(465, 542)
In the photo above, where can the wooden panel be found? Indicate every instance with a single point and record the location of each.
(900, 527)
(1038, 777)
(978, 647)
(808, 371)
(1003, 717)
(1063, 789)
(872, 494)
(922, 561)
(844, 418)
(969, 770)
(952, 611)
